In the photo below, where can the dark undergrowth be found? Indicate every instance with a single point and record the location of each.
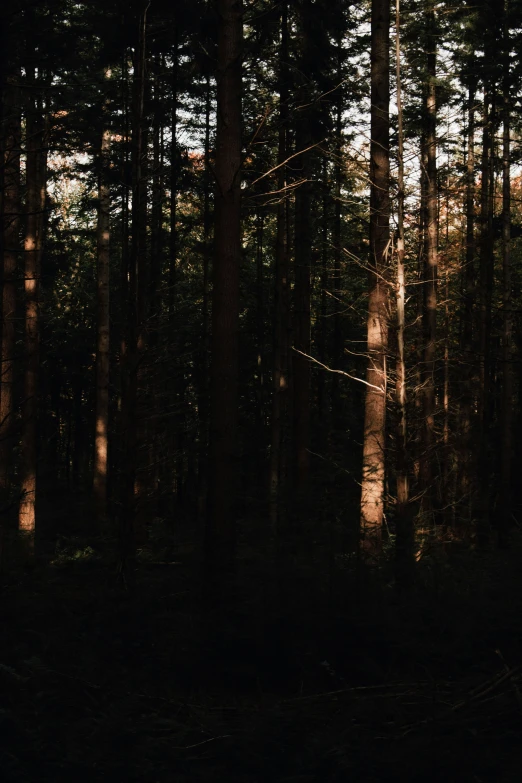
(346, 683)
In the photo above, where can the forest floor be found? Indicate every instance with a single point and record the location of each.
(351, 685)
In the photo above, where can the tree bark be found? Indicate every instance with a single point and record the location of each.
(337, 347)
(101, 440)
(374, 445)
(221, 512)
(504, 522)
(133, 309)
(301, 314)
(11, 133)
(404, 518)
(36, 175)
(486, 280)
(322, 325)
(203, 405)
(466, 479)
(281, 361)
(428, 464)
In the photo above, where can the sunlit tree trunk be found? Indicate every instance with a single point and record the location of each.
(504, 522)
(101, 440)
(11, 249)
(221, 512)
(374, 446)
(36, 165)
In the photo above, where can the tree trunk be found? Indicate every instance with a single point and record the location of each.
(224, 463)
(259, 380)
(337, 347)
(504, 522)
(428, 463)
(156, 239)
(203, 406)
(103, 325)
(404, 518)
(36, 176)
(322, 325)
(11, 132)
(132, 326)
(301, 315)
(486, 293)
(374, 445)
(466, 479)
(281, 361)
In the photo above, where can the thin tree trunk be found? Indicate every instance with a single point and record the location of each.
(103, 329)
(281, 297)
(337, 348)
(156, 240)
(421, 264)
(281, 361)
(173, 216)
(36, 176)
(404, 518)
(486, 293)
(469, 292)
(322, 326)
(260, 339)
(11, 133)
(374, 445)
(203, 406)
(504, 522)
(175, 382)
(224, 463)
(132, 326)
(301, 314)
(428, 468)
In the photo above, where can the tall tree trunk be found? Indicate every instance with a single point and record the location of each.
(174, 173)
(301, 315)
(260, 340)
(322, 326)
(404, 518)
(504, 522)
(203, 405)
(156, 238)
(428, 464)
(337, 347)
(374, 445)
(132, 326)
(224, 463)
(486, 293)
(101, 440)
(36, 175)
(11, 132)
(280, 429)
(466, 479)
(176, 380)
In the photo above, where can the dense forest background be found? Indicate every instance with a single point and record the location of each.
(260, 399)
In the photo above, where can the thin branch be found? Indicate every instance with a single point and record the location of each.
(340, 372)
